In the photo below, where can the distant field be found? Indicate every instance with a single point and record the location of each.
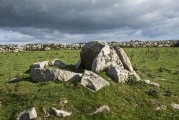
(132, 100)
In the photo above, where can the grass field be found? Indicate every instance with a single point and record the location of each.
(132, 100)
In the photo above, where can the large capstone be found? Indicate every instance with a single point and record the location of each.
(89, 52)
(51, 74)
(105, 58)
(92, 81)
(97, 56)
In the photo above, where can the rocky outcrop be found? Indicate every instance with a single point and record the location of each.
(58, 63)
(92, 81)
(117, 73)
(51, 74)
(27, 114)
(96, 56)
(39, 64)
(112, 57)
(60, 113)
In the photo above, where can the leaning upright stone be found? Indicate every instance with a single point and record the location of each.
(39, 64)
(124, 58)
(126, 62)
(92, 81)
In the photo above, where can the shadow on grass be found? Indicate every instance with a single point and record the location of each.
(13, 116)
(27, 71)
(73, 68)
(15, 80)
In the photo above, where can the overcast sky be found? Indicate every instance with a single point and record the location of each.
(71, 21)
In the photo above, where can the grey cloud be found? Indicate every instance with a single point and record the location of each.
(90, 19)
(78, 14)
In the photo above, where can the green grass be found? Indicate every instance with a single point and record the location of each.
(126, 101)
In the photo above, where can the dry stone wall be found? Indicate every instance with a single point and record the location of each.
(76, 46)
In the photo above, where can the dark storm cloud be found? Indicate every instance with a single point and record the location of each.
(60, 14)
(90, 19)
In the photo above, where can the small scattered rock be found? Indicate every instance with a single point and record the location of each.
(27, 114)
(58, 63)
(64, 102)
(160, 79)
(46, 114)
(61, 113)
(175, 106)
(39, 64)
(14, 80)
(92, 81)
(151, 83)
(102, 109)
(163, 107)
